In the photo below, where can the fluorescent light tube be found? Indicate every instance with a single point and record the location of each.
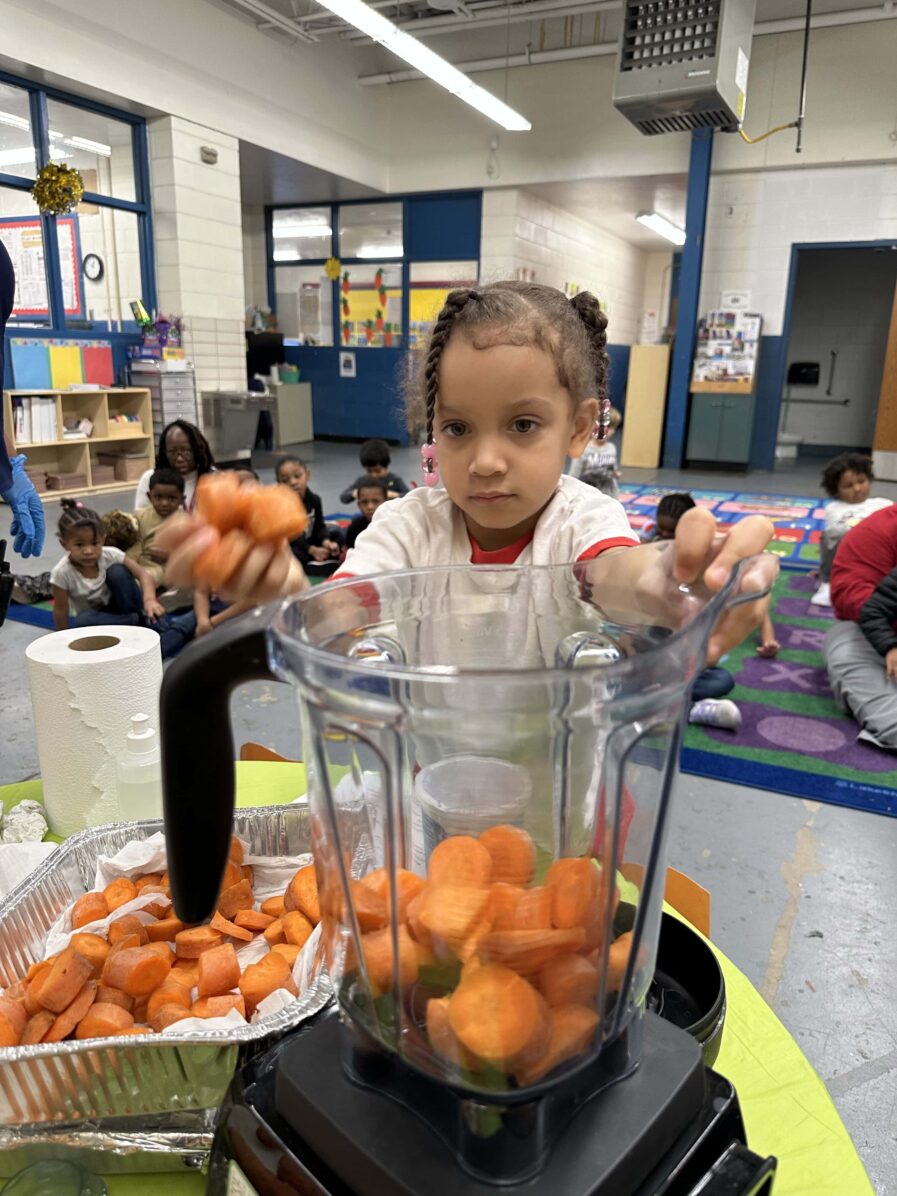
(285, 255)
(663, 227)
(302, 230)
(373, 251)
(93, 147)
(423, 59)
(17, 122)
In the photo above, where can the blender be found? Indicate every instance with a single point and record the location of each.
(490, 752)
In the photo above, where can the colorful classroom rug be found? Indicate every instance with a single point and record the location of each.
(38, 614)
(798, 521)
(793, 737)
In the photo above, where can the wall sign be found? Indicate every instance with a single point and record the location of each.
(735, 300)
(347, 365)
(25, 244)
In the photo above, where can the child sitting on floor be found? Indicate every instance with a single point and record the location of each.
(317, 549)
(375, 460)
(166, 495)
(371, 495)
(847, 479)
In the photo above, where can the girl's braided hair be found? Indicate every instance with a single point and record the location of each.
(573, 331)
(76, 515)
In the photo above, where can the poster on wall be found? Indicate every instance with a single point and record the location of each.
(726, 351)
(25, 244)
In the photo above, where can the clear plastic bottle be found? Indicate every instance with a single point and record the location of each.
(139, 773)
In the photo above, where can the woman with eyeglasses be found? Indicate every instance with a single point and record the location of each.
(183, 448)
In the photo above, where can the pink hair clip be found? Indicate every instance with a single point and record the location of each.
(429, 464)
(602, 424)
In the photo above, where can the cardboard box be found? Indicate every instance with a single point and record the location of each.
(127, 468)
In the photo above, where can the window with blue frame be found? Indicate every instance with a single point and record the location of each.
(83, 269)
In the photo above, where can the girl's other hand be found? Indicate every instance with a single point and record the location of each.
(154, 609)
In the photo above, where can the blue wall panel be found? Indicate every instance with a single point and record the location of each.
(766, 407)
(443, 227)
(618, 375)
(354, 408)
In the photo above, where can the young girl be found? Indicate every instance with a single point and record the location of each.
(515, 379)
(101, 585)
(316, 549)
(847, 480)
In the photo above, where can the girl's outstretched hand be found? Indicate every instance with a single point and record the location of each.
(699, 553)
(269, 571)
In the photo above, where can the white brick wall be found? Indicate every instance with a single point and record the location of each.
(753, 219)
(199, 246)
(522, 231)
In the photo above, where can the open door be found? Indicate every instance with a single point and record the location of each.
(884, 445)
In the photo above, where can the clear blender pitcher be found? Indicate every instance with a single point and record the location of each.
(490, 754)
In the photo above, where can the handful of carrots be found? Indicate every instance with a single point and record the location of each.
(243, 515)
(139, 978)
(530, 957)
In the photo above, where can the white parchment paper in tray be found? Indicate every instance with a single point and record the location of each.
(271, 874)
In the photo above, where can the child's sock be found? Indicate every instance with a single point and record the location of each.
(716, 712)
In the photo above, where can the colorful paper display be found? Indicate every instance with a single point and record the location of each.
(65, 364)
(41, 364)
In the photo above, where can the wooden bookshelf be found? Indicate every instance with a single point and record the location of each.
(79, 454)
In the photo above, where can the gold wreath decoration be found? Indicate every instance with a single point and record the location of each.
(58, 189)
(332, 268)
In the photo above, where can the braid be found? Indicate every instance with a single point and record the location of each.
(455, 303)
(594, 321)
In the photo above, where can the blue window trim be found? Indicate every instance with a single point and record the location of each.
(38, 96)
(406, 260)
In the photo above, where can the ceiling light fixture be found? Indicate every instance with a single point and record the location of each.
(663, 227)
(419, 56)
(369, 251)
(25, 156)
(286, 255)
(93, 147)
(302, 230)
(16, 122)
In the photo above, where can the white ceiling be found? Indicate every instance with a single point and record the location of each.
(613, 204)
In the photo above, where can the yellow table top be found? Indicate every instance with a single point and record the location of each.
(786, 1108)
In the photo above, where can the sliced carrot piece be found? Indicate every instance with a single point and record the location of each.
(35, 1028)
(190, 944)
(420, 932)
(276, 513)
(504, 901)
(125, 926)
(450, 912)
(378, 957)
(137, 970)
(238, 896)
(273, 907)
(32, 992)
(572, 1028)
(275, 932)
(38, 966)
(261, 979)
(569, 980)
(92, 907)
(527, 951)
(92, 947)
(220, 561)
(114, 996)
(408, 885)
(135, 1029)
(223, 926)
(183, 972)
(251, 919)
(218, 500)
(160, 907)
(164, 930)
(533, 910)
(232, 875)
(167, 1015)
(119, 892)
(297, 929)
(167, 993)
(139, 1010)
(68, 974)
(302, 894)
(64, 1024)
(443, 1039)
(248, 873)
(459, 860)
(573, 884)
(13, 1020)
(618, 957)
(103, 1021)
(513, 854)
(289, 951)
(236, 850)
(164, 949)
(370, 908)
(497, 1015)
(219, 1006)
(148, 878)
(219, 971)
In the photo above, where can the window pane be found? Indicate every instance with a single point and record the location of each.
(371, 306)
(301, 233)
(16, 145)
(430, 284)
(304, 304)
(99, 146)
(370, 230)
(110, 236)
(20, 231)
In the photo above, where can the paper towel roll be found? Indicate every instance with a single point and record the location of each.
(86, 683)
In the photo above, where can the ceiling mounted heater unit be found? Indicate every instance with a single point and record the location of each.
(684, 65)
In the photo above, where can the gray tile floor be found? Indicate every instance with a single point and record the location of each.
(802, 893)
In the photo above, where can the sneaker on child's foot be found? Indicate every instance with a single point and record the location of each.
(716, 712)
(823, 596)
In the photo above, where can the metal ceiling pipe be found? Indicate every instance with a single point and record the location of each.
(271, 17)
(514, 14)
(859, 16)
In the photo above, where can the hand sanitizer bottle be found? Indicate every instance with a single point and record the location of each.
(139, 773)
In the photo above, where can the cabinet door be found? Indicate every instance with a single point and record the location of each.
(704, 427)
(736, 426)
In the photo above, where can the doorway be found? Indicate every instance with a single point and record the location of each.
(837, 322)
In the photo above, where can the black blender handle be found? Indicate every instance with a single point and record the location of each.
(739, 1172)
(197, 748)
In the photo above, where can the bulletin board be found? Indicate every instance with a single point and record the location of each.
(24, 243)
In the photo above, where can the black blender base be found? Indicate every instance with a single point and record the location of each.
(672, 1128)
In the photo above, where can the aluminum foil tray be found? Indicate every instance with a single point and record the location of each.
(120, 1078)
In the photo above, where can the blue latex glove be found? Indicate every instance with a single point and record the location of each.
(28, 524)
